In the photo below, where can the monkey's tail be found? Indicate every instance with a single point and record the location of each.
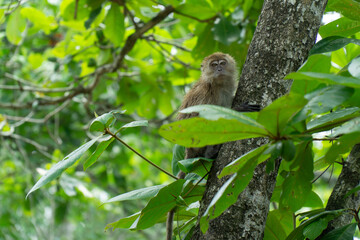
(169, 224)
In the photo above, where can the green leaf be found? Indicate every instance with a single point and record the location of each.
(199, 132)
(325, 78)
(39, 19)
(341, 27)
(93, 15)
(200, 166)
(297, 234)
(61, 166)
(167, 198)
(314, 201)
(342, 146)
(102, 122)
(139, 123)
(343, 233)
(354, 67)
(297, 185)
(97, 153)
(348, 8)
(320, 102)
(331, 120)
(276, 116)
(273, 228)
(314, 229)
(126, 222)
(15, 27)
(225, 31)
(213, 112)
(351, 126)
(354, 190)
(331, 44)
(256, 155)
(288, 150)
(114, 25)
(228, 193)
(142, 193)
(178, 154)
(199, 8)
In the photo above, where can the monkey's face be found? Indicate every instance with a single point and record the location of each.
(219, 67)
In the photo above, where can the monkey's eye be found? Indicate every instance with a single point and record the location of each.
(214, 64)
(223, 62)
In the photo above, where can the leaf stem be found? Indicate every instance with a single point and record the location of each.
(139, 154)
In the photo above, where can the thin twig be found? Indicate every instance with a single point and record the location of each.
(35, 89)
(76, 9)
(152, 38)
(139, 154)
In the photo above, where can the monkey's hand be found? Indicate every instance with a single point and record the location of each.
(246, 107)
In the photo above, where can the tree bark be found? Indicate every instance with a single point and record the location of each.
(348, 179)
(285, 33)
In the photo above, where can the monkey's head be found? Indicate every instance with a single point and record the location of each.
(218, 67)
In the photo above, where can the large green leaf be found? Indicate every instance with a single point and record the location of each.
(348, 8)
(276, 116)
(255, 155)
(199, 132)
(331, 120)
(142, 193)
(331, 44)
(278, 224)
(320, 102)
(297, 234)
(114, 25)
(341, 27)
(343, 233)
(325, 78)
(342, 146)
(61, 166)
(213, 112)
(15, 26)
(314, 229)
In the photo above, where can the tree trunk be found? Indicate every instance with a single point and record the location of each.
(348, 179)
(285, 33)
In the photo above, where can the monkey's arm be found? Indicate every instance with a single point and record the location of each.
(246, 107)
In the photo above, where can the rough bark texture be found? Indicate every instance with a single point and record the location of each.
(285, 33)
(348, 179)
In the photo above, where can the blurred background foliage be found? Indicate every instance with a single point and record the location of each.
(56, 71)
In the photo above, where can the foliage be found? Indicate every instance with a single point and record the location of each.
(63, 61)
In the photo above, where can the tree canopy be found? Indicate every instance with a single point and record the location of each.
(89, 90)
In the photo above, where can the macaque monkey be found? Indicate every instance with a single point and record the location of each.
(216, 86)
